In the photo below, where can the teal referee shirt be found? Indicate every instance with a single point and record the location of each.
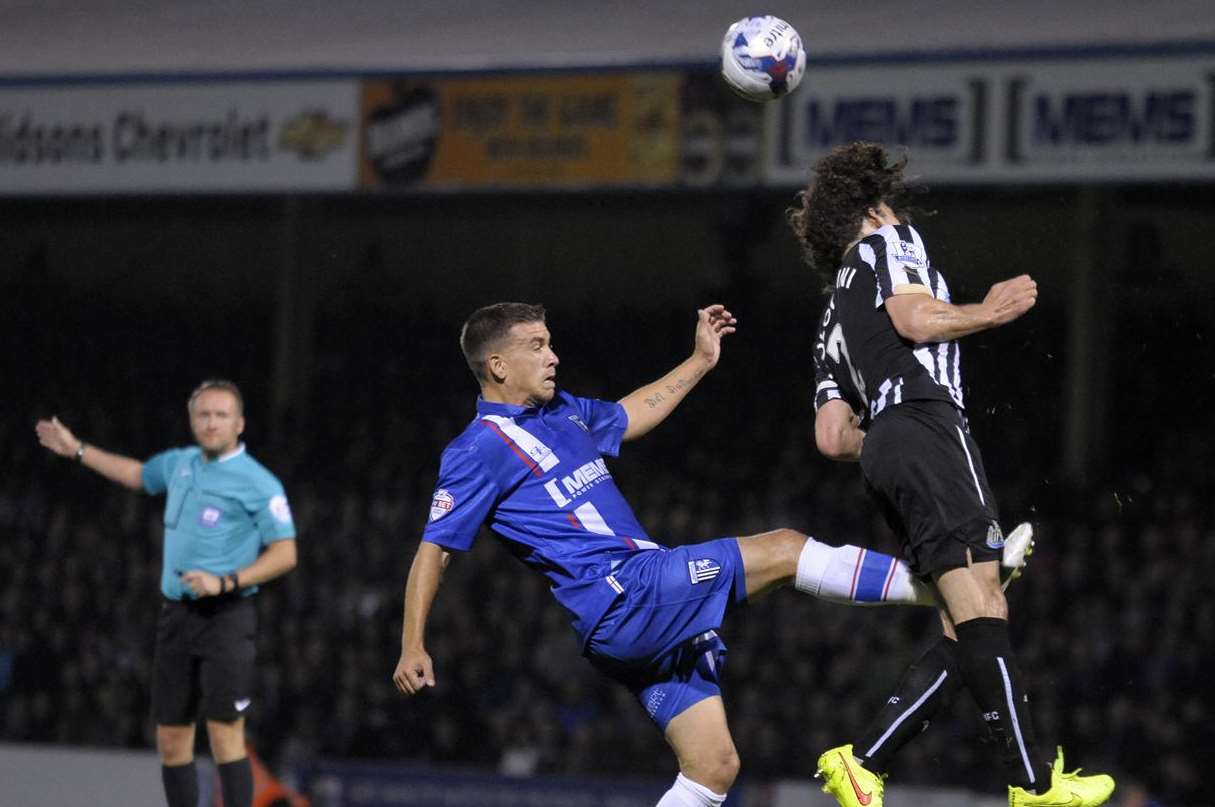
(218, 514)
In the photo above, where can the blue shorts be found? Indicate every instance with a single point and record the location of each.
(659, 639)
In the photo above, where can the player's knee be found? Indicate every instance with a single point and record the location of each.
(719, 771)
(730, 765)
(227, 740)
(993, 603)
(789, 543)
(997, 605)
(175, 744)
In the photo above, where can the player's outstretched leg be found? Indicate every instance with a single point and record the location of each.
(849, 781)
(1066, 788)
(844, 574)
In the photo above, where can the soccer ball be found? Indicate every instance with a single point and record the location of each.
(762, 58)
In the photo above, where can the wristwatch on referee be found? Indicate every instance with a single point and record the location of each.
(229, 584)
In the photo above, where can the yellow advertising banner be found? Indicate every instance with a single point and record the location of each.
(522, 131)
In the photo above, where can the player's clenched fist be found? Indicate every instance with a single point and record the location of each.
(414, 671)
(1011, 298)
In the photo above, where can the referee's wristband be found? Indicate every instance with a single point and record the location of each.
(80, 452)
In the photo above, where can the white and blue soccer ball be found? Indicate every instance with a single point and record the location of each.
(762, 58)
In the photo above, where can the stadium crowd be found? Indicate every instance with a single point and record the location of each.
(1114, 618)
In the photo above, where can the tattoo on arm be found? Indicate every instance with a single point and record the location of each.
(678, 388)
(683, 384)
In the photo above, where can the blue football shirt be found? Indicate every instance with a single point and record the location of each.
(218, 513)
(538, 477)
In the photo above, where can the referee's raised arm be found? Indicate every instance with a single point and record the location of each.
(648, 406)
(59, 439)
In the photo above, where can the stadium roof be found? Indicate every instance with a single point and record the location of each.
(74, 38)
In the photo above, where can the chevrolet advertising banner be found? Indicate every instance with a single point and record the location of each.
(1113, 118)
(179, 137)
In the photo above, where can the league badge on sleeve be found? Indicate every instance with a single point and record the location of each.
(280, 509)
(441, 504)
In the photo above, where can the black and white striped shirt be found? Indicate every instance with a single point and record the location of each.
(859, 357)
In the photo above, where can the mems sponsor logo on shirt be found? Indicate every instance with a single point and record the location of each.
(579, 482)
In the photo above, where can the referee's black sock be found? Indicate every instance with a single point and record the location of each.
(924, 689)
(986, 659)
(236, 779)
(181, 784)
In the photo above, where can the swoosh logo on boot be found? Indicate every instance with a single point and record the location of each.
(861, 795)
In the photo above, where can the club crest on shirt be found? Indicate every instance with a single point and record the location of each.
(995, 536)
(908, 253)
(280, 509)
(209, 517)
(703, 569)
(577, 421)
(441, 504)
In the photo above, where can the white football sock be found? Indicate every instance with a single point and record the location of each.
(855, 576)
(686, 793)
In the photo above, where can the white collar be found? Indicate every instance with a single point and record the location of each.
(236, 452)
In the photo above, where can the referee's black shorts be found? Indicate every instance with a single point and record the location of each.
(924, 469)
(204, 658)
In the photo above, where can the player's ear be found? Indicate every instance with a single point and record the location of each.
(496, 365)
(240, 425)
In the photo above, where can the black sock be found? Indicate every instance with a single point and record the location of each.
(181, 784)
(924, 689)
(236, 779)
(990, 669)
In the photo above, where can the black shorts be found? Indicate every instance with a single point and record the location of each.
(923, 468)
(204, 660)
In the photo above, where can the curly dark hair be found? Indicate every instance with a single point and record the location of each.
(847, 182)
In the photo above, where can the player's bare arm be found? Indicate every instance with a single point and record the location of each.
(837, 432)
(276, 560)
(415, 671)
(58, 438)
(921, 318)
(651, 404)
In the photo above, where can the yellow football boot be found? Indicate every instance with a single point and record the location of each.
(1066, 789)
(844, 778)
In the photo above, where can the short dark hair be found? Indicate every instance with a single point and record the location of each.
(489, 325)
(847, 182)
(222, 384)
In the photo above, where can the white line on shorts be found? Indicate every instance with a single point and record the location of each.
(971, 463)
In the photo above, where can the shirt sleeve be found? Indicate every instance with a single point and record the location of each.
(271, 513)
(156, 470)
(462, 500)
(899, 260)
(826, 388)
(607, 422)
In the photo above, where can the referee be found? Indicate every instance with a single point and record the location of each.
(227, 529)
(889, 395)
